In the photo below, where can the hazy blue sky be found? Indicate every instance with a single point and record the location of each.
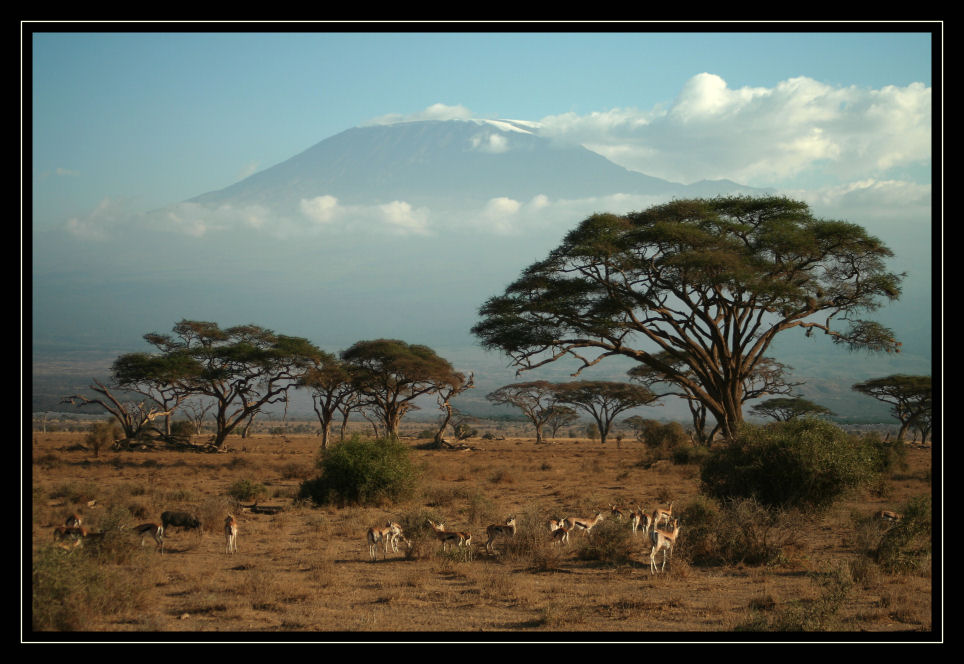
(143, 120)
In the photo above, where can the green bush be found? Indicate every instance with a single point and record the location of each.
(246, 490)
(805, 463)
(364, 472)
(103, 434)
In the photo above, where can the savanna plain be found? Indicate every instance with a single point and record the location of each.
(304, 572)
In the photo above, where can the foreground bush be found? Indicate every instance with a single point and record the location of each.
(738, 531)
(805, 463)
(906, 545)
(364, 472)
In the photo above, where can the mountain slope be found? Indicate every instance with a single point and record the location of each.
(435, 162)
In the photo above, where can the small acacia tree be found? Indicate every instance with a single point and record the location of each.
(786, 409)
(390, 374)
(909, 398)
(603, 400)
(133, 417)
(536, 399)
(710, 282)
(332, 390)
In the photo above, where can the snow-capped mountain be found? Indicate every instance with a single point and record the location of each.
(460, 163)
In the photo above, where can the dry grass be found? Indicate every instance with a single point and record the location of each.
(306, 571)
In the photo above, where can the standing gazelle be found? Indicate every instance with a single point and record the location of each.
(663, 540)
(230, 534)
(639, 519)
(585, 525)
(389, 534)
(661, 515)
(447, 537)
(499, 530)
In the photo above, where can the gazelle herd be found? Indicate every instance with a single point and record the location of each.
(660, 525)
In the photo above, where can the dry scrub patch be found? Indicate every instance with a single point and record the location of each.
(307, 570)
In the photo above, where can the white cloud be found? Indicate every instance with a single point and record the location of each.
(322, 210)
(493, 143)
(100, 223)
(762, 136)
(433, 112)
(402, 218)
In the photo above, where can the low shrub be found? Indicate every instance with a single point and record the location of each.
(805, 463)
(246, 490)
(737, 531)
(364, 472)
(906, 545)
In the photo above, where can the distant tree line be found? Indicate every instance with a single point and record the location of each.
(232, 374)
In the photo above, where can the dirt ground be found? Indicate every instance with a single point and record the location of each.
(304, 573)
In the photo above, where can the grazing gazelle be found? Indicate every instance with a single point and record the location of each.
(555, 524)
(389, 534)
(447, 537)
(615, 511)
(665, 540)
(585, 525)
(230, 534)
(155, 530)
(62, 533)
(499, 530)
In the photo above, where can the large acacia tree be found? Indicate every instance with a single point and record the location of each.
(711, 283)
(391, 374)
(241, 368)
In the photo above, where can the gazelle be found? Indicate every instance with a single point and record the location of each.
(585, 525)
(887, 515)
(230, 534)
(661, 515)
(62, 533)
(447, 537)
(615, 511)
(638, 518)
(561, 534)
(155, 530)
(389, 534)
(555, 524)
(73, 521)
(663, 540)
(499, 530)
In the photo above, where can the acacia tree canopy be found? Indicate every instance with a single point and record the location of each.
(329, 381)
(910, 399)
(241, 368)
(391, 374)
(603, 400)
(788, 408)
(536, 399)
(709, 282)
